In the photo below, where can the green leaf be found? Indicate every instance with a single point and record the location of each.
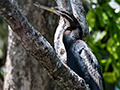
(110, 77)
(91, 18)
(99, 15)
(99, 35)
(103, 61)
(118, 83)
(108, 64)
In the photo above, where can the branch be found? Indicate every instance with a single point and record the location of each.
(39, 47)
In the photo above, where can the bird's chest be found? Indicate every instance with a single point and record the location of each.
(75, 62)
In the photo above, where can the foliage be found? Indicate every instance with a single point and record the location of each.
(3, 37)
(104, 38)
(3, 45)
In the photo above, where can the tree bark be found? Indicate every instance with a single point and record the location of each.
(23, 72)
(1, 84)
(39, 47)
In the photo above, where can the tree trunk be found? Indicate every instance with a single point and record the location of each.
(23, 72)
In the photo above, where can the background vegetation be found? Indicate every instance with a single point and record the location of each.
(104, 39)
(3, 45)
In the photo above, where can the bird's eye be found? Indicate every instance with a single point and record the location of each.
(56, 8)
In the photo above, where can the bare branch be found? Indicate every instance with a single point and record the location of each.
(39, 47)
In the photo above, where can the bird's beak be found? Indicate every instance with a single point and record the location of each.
(46, 8)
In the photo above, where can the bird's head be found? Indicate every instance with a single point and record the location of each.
(65, 14)
(74, 30)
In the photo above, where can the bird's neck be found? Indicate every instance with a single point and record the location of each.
(68, 40)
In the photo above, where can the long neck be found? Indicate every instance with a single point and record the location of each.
(71, 19)
(75, 27)
(73, 32)
(68, 40)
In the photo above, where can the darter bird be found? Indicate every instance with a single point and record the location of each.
(79, 56)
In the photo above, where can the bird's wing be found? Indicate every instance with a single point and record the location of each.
(91, 62)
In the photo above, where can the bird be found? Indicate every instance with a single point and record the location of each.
(79, 55)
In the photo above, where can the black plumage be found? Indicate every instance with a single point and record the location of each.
(80, 57)
(84, 63)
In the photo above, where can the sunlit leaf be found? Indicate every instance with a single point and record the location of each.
(99, 35)
(115, 6)
(109, 77)
(108, 64)
(103, 62)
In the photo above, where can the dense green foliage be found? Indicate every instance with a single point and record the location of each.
(104, 38)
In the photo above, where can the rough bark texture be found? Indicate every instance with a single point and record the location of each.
(23, 72)
(39, 47)
(76, 8)
(42, 20)
(1, 84)
(63, 24)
